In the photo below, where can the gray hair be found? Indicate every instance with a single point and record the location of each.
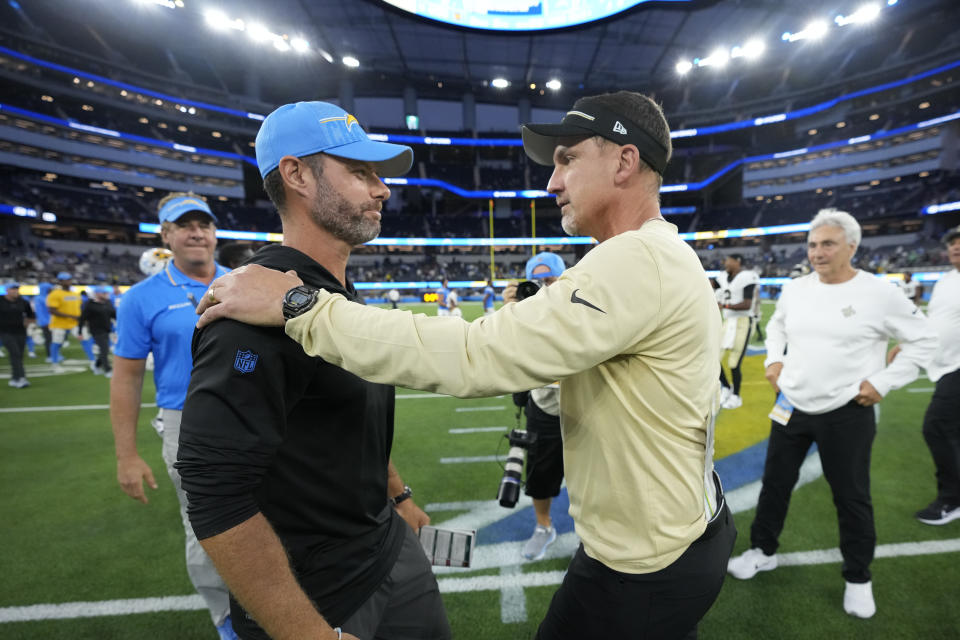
(837, 218)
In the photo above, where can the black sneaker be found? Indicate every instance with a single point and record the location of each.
(938, 513)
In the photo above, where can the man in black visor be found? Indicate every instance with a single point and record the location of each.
(631, 332)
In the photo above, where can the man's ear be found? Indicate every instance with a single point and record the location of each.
(628, 163)
(297, 177)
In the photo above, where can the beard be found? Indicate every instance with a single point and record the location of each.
(342, 219)
(569, 225)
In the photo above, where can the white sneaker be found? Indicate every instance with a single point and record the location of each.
(157, 424)
(32, 354)
(858, 600)
(733, 402)
(725, 394)
(536, 546)
(23, 382)
(750, 563)
(13, 382)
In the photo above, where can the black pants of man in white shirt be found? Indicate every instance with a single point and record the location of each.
(941, 430)
(844, 438)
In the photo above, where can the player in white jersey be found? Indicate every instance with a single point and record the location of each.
(911, 288)
(736, 290)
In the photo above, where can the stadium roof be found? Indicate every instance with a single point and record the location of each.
(637, 49)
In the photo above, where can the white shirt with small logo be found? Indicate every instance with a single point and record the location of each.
(831, 337)
(944, 313)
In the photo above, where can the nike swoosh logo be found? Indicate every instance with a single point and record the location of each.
(574, 298)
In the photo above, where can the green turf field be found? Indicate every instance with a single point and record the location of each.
(69, 535)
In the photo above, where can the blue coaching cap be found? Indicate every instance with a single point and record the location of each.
(175, 208)
(64, 275)
(551, 260)
(305, 128)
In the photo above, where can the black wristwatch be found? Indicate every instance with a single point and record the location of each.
(407, 492)
(299, 300)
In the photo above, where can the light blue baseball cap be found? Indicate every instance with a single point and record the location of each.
(175, 208)
(305, 128)
(64, 275)
(551, 260)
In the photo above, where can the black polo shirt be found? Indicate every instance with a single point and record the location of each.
(97, 316)
(12, 315)
(268, 429)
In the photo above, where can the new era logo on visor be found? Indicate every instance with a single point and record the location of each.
(619, 128)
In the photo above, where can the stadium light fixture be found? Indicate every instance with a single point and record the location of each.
(866, 13)
(351, 62)
(216, 19)
(500, 83)
(258, 32)
(813, 31)
(554, 85)
(816, 30)
(280, 44)
(683, 67)
(753, 49)
(719, 58)
(300, 45)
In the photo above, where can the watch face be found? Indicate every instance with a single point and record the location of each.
(298, 298)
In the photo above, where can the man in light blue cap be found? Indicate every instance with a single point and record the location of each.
(542, 408)
(286, 458)
(157, 315)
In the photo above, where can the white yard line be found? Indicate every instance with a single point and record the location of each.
(472, 459)
(513, 602)
(506, 580)
(478, 430)
(73, 407)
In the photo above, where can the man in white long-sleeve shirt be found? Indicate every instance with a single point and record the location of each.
(826, 349)
(941, 424)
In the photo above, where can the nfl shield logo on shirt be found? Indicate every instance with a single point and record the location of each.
(245, 361)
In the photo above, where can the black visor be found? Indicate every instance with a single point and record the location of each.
(540, 140)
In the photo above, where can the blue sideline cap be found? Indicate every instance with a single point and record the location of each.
(176, 208)
(64, 275)
(12, 285)
(551, 260)
(305, 128)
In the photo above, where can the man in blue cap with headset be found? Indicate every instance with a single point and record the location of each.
(157, 315)
(286, 458)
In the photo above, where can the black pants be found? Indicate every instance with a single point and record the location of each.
(102, 341)
(844, 438)
(595, 601)
(545, 457)
(47, 338)
(941, 430)
(15, 343)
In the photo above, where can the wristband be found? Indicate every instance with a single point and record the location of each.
(339, 633)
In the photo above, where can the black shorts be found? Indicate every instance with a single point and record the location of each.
(545, 458)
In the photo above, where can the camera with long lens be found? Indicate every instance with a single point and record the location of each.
(509, 491)
(526, 289)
